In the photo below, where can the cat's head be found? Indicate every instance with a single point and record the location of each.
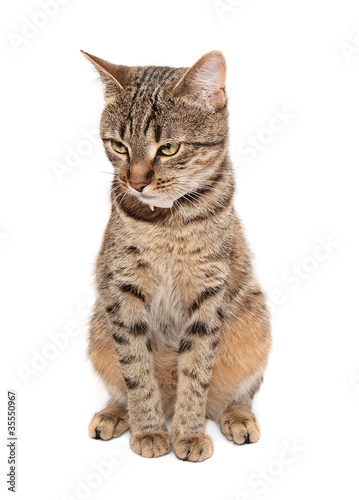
(164, 129)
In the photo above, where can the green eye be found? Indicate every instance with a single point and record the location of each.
(169, 149)
(119, 147)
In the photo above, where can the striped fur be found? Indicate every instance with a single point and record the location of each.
(180, 328)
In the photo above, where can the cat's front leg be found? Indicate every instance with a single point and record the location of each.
(196, 353)
(127, 317)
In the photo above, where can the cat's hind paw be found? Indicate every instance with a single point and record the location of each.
(239, 425)
(108, 423)
(194, 448)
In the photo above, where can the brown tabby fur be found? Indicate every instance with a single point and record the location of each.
(180, 328)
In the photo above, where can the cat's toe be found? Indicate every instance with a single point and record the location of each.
(151, 444)
(194, 448)
(240, 426)
(108, 423)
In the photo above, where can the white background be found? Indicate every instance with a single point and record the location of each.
(298, 190)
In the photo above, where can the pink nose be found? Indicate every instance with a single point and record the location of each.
(139, 186)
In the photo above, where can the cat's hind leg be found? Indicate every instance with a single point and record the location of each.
(109, 422)
(113, 420)
(238, 424)
(237, 376)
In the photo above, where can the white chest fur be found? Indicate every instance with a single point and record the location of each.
(166, 314)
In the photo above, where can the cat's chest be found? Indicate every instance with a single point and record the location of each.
(174, 275)
(167, 311)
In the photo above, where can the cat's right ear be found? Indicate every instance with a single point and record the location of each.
(113, 76)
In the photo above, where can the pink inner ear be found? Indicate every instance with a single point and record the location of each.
(205, 81)
(210, 75)
(216, 80)
(218, 74)
(218, 98)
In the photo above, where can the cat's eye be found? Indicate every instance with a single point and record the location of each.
(119, 147)
(169, 149)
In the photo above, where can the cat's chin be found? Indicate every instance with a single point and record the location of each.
(160, 204)
(156, 202)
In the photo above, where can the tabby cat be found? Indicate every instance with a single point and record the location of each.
(180, 327)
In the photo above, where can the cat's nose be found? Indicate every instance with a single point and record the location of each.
(139, 186)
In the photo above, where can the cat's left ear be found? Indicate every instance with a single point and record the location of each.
(113, 76)
(204, 83)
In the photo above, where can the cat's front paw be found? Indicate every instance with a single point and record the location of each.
(151, 444)
(194, 448)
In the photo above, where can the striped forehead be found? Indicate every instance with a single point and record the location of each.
(144, 100)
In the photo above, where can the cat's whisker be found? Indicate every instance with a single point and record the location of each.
(195, 199)
(114, 188)
(214, 201)
(192, 203)
(179, 206)
(123, 197)
(186, 181)
(104, 172)
(113, 192)
(120, 199)
(168, 199)
(199, 202)
(202, 186)
(206, 215)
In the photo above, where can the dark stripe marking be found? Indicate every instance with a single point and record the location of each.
(127, 360)
(220, 314)
(215, 343)
(133, 290)
(131, 384)
(152, 115)
(166, 75)
(120, 324)
(158, 132)
(207, 144)
(148, 395)
(151, 218)
(208, 292)
(214, 180)
(122, 130)
(119, 339)
(113, 308)
(133, 249)
(198, 328)
(139, 328)
(185, 345)
(187, 373)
